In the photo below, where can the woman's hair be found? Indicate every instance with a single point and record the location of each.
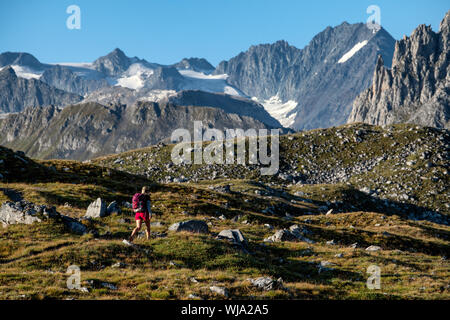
(145, 189)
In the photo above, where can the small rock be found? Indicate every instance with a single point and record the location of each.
(220, 290)
(267, 283)
(113, 208)
(118, 265)
(373, 248)
(234, 236)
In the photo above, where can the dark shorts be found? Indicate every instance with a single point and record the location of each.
(144, 216)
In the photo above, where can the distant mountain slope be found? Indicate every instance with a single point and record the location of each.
(417, 87)
(65, 79)
(17, 93)
(320, 81)
(87, 130)
(228, 103)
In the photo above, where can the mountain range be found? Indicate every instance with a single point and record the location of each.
(347, 73)
(301, 88)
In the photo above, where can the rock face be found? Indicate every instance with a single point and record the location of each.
(323, 79)
(417, 87)
(195, 226)
(96, 209)
(65, 79)
(17, 93)
(88, 130)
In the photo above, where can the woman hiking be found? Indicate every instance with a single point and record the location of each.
(142, 209)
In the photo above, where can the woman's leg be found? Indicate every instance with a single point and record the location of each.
(138, 227)
(147, 224)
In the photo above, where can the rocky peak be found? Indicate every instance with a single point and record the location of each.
(415, 88)
(113, 63)
(445, 23)
(196, 64)
(21, 59)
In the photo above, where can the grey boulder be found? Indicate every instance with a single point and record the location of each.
(96, 209)
(195, 226)
(113, 208)
(235, 236)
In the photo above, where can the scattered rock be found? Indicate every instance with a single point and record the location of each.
(119, 265)
(196, 226)
(235, 236)
(267, 283)
(325, 266)
(373, 248)
(113, 208)
(127, 205)
(96, 209)
(293, 234)
(74, 225)
(220, 291)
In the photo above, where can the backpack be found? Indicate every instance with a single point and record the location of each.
(139, 202)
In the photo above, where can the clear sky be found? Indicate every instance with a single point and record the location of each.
(165, 31)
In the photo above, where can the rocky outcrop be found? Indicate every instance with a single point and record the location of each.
(24, 212)
(19, 213)
(17, 93)
(417, 87)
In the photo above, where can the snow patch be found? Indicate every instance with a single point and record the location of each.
(208, 82)
(134, 78)
(84, 65)
(25, 72)
(280, 110)
(157, 95)
(199, 75)
(352, 51)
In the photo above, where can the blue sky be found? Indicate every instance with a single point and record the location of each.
(165, 31)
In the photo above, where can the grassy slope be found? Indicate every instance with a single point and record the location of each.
(34, 259)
